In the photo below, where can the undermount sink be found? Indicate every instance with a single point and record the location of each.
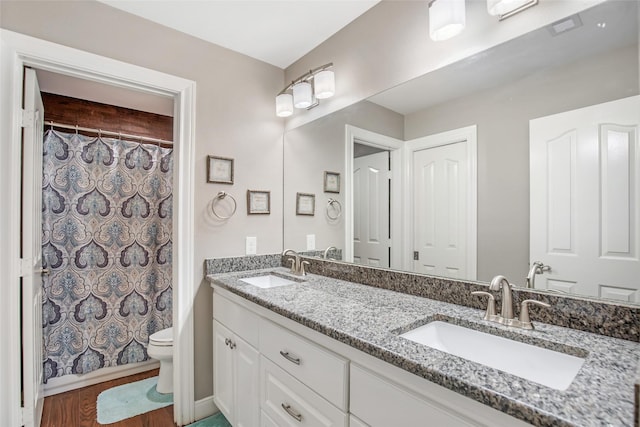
(543, 366)
(268, 281)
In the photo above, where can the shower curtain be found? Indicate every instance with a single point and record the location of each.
(107, 218)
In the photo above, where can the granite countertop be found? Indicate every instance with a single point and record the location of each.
(371, 319)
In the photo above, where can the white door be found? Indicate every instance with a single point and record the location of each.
(585, 210)
(440, 203)
(32, 251)
(247, 386)
(371, 243)
(223, 366)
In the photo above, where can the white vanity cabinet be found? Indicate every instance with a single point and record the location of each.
(289, 375)
(236, 363)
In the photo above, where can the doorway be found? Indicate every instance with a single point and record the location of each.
(20, 51)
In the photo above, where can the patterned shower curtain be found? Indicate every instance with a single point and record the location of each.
(107, 217)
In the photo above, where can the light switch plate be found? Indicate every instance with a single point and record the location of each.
(311, 242)
(251, 245)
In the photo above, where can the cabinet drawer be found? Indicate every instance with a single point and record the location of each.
(240, 320)
(372, 397)
(289, 403)
(323, 371)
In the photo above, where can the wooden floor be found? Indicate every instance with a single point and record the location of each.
(77, 408)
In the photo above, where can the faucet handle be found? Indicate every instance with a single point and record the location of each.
(525, 320)
(491, 304)
(293, 265)
(302, 264)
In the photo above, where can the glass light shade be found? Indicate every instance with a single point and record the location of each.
(284, 105)
(324, 84)
(500, 7)
(446, 19)
(302, 96)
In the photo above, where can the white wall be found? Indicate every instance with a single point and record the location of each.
(390, 44)
(316, 147)
(235, 118)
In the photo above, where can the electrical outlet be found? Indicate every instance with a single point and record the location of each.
(251, 246)
(311, 242)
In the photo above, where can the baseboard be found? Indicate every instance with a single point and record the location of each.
(71, 382)
(205, 407)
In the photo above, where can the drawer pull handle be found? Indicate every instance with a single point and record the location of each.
(291, 359)
(227, 341)
(291, 412)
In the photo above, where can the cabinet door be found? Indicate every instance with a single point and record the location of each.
(223, 367)
(247, 380)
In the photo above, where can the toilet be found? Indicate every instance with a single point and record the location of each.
(161, 348)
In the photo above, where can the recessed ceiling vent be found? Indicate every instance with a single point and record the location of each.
(564, 25)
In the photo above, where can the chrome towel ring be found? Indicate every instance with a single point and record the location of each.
(221, 196)
(334, 206)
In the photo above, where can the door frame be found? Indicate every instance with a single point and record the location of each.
(18, 51)
(468, 134)
(362, 136)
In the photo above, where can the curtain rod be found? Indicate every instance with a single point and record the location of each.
(106, 132)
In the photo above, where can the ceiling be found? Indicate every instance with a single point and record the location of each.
(278, 32)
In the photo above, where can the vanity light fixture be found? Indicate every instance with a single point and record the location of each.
(503, 9)
(306, 90)
(446, 19)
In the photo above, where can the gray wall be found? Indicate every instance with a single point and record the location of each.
(389, 45)
(502, 115)
(316, 147)
(235, 118)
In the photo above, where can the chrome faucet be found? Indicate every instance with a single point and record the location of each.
(536, 268)
(326, 251)
(500, 283)
(297, 265)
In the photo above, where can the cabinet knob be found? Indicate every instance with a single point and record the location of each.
(297, 416)
(232, 345)
(227, 341)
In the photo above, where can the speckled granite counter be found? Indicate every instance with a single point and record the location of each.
(371, 319)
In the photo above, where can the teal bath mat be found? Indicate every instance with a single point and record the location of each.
(128, 400)
(217, 420)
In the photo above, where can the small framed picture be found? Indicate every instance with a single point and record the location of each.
(331, 182)
(219, 170)
(258, 202)
(305, 204)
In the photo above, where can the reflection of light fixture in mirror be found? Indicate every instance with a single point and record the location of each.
(506, 8)
(446, 19)
(306, 90)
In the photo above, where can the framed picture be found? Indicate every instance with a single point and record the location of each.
(258, 202)
(305, 204)
(331, 182)
(219, 170)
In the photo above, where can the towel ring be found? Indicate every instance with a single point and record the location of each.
(330, 207)
(220, 196)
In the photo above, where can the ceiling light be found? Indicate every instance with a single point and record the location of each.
(506, 8)
(284, 105)
(324, 84)
(302, 95)
(564, 25)
(306, 90)
(446, 19)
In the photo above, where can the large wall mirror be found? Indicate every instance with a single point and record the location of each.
(522, 159)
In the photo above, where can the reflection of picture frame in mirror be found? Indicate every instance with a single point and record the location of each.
(258, 202)
(331, 182)
(219, 170)
(305, 204)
